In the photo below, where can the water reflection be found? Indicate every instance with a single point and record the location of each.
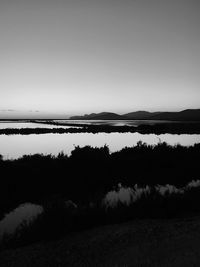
(114, 122)
(14, 146)
(20, 125)
(25, 213)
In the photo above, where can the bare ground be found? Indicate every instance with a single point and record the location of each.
(143, 243)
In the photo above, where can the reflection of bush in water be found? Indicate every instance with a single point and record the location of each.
(127, 195)
(30, 222)
(19, 219)
(124, 195)
(24, 214)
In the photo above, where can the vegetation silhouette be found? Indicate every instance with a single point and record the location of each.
(61, 217)
(87, 175)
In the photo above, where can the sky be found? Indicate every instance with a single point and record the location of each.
(69, 57)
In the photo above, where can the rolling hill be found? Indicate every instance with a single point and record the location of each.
(100, 116)
(185, 115)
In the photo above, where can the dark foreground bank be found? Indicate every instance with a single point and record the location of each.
(173, 243)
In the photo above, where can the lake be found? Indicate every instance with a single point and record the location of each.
(113, 122)
(30, 125)
(15, 146)
(22, 215)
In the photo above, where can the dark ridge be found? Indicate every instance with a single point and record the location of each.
(140, 115)
(99, 116)
(185, 115)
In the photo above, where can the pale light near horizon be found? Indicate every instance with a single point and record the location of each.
(61, 58)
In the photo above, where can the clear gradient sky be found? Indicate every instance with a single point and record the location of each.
(67, 57)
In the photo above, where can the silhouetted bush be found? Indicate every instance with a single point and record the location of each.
(89, 172)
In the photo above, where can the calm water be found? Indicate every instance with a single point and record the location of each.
(25, 213)
(19, 125)
(113, 122)
(14, 146)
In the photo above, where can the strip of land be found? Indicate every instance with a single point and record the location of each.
(171, 128)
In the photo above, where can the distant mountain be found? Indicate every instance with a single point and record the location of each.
(99, 116)
(185, 115)
(140, 115)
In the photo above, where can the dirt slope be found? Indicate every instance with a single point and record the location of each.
(139, 243)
